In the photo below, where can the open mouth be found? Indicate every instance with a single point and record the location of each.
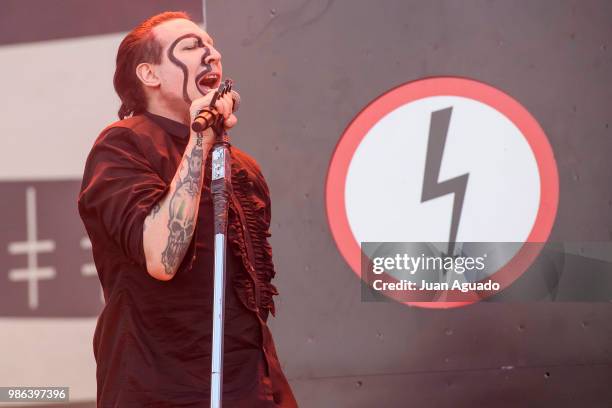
(208, 81)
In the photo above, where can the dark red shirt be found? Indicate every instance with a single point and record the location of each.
(152, 342)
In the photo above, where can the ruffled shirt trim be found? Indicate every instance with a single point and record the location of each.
(249, 206)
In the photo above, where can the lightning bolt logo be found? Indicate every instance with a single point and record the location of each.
(432, 186)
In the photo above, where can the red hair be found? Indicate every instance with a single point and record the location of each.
(139, 46)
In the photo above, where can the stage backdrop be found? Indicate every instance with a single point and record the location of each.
(305, 69)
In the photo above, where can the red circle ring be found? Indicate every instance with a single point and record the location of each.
(444, 86)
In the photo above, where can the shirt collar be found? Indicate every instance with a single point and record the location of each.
(170, 126)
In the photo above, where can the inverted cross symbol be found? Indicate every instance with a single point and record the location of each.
(89, 269)
(32, 274)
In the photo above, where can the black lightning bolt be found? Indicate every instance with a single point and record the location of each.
(432, 187)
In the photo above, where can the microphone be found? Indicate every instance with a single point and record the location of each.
(209, 116)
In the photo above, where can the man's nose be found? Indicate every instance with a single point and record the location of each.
(214, 56)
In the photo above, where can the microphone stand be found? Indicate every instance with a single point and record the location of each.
(221, 186)
(221, 189)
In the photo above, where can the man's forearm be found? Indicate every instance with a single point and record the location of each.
(169, 227)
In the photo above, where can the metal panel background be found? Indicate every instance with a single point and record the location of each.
(304, 70)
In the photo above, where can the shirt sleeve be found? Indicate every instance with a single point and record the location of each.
(118, 191)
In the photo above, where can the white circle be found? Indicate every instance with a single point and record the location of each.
(385, 177)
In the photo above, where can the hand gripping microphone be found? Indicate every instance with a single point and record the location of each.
(209, 116)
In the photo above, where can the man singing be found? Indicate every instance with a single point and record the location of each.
(146, 203)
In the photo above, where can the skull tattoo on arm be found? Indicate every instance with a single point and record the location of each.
(183, 210)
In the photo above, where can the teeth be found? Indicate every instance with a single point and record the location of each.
(212, 77)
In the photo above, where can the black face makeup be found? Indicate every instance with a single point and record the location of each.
(183, 67)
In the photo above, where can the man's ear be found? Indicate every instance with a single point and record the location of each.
(147, 75)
